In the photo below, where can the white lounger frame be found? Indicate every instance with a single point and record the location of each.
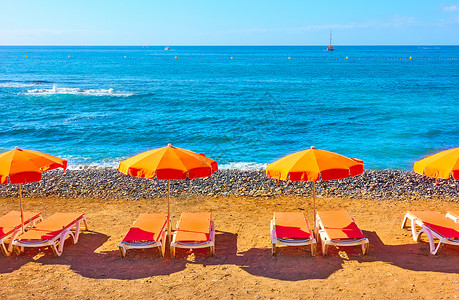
(57, 242)
(431, 234)
(160, 243)
(210, 243)
(453, 217)
(6, 251)
(278, 241)
(327, 241)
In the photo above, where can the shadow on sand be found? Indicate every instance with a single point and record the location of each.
(290, 264)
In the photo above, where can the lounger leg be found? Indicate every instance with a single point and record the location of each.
(404, 222)
(3, 249)
(433, 249)
(13, 237)
(365, 248)
(58, 246)
(172, 251)
(414, 232)
(313, 249)
(122, 251)
(273, 249)
(77, 231)
(55, 250)
(440, 244)
(324, 248)
(212, 250)
(86, 228)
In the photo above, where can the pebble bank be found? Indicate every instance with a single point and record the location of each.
(109, 183)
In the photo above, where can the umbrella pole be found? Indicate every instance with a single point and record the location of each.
(22, 212)
(168, 210)
(314, 203)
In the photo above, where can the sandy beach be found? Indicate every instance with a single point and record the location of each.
(243, 268)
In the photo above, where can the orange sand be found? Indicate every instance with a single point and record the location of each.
(396, 267)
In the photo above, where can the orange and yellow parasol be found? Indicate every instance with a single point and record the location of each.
(169, 163)
(443, 165)
(21, 166)
(313, 165)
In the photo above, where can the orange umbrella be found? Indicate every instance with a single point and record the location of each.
(20, 166)
(169, 163)
(444, 165)
(313, 165)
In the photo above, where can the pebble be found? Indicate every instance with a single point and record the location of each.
(109, 183)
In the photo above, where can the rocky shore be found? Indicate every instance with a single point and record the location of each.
(109, 183)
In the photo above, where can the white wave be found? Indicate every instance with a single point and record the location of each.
(109, 163)
(11, 84)
(77, 91)
(243, 166)
(93, 166)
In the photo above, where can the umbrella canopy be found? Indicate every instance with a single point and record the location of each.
(23, 166)
(169, 163)
(444, 165)
(313, 165)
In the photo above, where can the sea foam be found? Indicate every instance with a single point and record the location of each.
(13, 84)
(77, 91)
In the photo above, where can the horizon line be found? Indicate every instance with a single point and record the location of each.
(267, 45)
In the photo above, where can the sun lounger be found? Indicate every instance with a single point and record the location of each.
(148, 231)
(435, 226)
(53, 232)
(337, 228)
(10, 227)
(291, 229)
(454, 215)
(194, 230)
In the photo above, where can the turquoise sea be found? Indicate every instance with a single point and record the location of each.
(243, 106)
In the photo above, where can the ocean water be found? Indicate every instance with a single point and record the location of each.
(243, 106)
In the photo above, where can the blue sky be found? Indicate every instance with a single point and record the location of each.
(302, 22)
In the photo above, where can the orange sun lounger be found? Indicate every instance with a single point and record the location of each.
(454, 215)
(53, 232)
(435, 226)
(194, 230)
(337, 228)
(10, 227)
(291, 229)
(148, 231)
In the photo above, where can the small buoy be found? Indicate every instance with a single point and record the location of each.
(26, 56)
(69, 56)
(125, 57)
(411, 57)
(231, 57)
(176, 57)
(289, 57)
(347, 57)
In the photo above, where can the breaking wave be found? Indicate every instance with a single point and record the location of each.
(15, 84)
(77, 91)
(243, 166)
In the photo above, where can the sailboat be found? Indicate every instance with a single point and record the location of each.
(330, 47)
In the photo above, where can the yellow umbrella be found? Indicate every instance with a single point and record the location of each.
(313, 165)
(169, 163)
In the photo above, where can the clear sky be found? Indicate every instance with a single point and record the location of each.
(248, 22)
